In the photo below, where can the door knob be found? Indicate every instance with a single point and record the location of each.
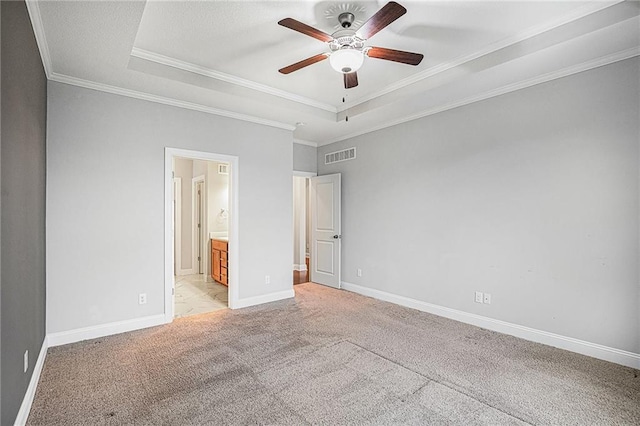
(337, 236)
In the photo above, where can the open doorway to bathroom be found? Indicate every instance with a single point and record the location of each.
(201, 235)
(301, 231)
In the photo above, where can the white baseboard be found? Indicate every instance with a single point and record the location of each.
(25, 408)
(265, 298)
(93, 332)
(301, 267)
(595, 350)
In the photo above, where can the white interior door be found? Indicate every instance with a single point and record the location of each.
(325, 230)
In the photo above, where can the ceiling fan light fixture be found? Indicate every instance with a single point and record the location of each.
(346, 60)
(347, 46)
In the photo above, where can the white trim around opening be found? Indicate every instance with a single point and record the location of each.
(177, 225)
(234, 251)
(304, 174)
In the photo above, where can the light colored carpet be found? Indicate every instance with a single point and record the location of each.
(328, 357)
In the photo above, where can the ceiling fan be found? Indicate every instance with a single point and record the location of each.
(347, 46)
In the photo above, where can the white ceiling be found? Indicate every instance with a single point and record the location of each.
(223, 56)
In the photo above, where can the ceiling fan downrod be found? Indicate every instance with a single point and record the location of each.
(346, 19)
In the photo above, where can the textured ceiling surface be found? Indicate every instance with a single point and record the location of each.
(243, 38)
(225, 55)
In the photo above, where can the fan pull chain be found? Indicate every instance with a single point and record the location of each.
(346, 117)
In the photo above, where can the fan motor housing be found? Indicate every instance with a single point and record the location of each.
(345, 39)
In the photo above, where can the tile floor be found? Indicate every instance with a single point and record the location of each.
(196, 296)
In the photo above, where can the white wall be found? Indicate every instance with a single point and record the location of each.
(531, 196)
(218, 198)
(183, 169)
(105, 202)
(200, 168)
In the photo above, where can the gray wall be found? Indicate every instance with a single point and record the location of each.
(304, 158)
(23, 176)
(0, 218)
(105, 203)
(531, 196)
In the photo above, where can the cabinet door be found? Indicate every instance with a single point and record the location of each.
(213, 274)
(216, 265)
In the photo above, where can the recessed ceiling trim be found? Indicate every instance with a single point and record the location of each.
(41, 39)
(576, 14)
(564, 72)
(217, 75)
(74, 81)
(303, 142)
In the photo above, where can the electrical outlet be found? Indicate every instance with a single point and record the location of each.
(478, 297)
(26, 361)
(487, 298)
(267, 279)
(142, 298)
(359, 273)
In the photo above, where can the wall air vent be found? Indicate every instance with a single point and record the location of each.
(338, 156)
(223, 169)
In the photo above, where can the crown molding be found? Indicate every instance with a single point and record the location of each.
(228, 78)
(41, 39)
(74, 81)
(564, 72)
(574, 15)
(307, 143)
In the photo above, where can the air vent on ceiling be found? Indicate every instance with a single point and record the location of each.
(223, 169)
(336, 157)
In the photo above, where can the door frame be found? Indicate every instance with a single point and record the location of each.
(177, 225)
(196, 233)
(234, 244)
(305, 175)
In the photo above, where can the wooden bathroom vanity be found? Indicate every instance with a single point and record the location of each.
(219, 250)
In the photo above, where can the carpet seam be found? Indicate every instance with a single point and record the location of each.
(442, 383)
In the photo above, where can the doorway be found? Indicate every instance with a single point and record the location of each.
(203, 182)
(301, 228)
(197, 289)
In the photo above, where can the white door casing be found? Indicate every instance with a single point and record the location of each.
(299, 223)
(176, 221)
(325, 229)
(176, 229)
(234, 243)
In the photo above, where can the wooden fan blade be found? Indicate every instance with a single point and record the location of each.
(305, 29)
(303, 63)
(385, 16)
(395, 55)
(350, 80)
